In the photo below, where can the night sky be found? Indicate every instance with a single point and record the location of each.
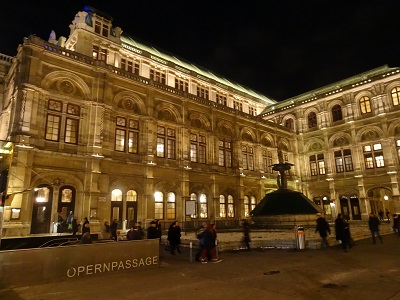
(278, 48)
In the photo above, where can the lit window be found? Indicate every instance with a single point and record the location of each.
(225, 154)
(203, 206)
(247, 158)
(317, 164)
(171, 206)
(373, 156)
(159, 205)
(365, 105)
(198, 148)
(395, 95)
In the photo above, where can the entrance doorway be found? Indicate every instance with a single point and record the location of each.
(41, 212)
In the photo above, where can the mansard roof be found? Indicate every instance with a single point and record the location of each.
(333, 88)
(135, 46)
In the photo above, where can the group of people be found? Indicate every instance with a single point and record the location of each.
(387, 213)
(136, 232)
(207, 236)
(342, 229)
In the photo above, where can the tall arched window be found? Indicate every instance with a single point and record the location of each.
(116, 205)
(193, 197)
(337, 113)
(203, 206)
(253, 203)
(365, 105)
(222, 210)
(159, 205)
(246, 203)
(231, 207)
(171, 206)
(312, 120)
(396, 95)
(131, 207)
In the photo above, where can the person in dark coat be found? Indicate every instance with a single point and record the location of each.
(132, 234)
(380, 214)
(373, 223)
(246, 234)
(86, 239)
(339, 228)
(85, 226)
(152, 232)
(75, 226)
(323, 229)
(113, 229)
(174, 237)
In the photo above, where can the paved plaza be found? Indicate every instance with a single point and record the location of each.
(367, 271)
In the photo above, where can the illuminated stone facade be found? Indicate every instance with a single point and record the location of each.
(113, 129)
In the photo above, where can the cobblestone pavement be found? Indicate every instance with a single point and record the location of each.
(367, 271)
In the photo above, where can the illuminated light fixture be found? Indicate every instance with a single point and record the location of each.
(382, 114)
(323, 128)
(98, 155)
(352, 121)
(392, 172)
(263, 177)
(24, 146)
(151, 163)
(297, 180)
(385, 198)
(187, 167)
(358, 176)
(8, 145)
(242, 175)
(329, 179)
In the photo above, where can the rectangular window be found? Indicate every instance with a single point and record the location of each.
(71, 131)
(225, 154)
(231, 207)
(166, 142)
(157, 76)
(247, 158)
(198, 148)
(97, 27)
(120, 139)
(181, 84)
(202, 92)
(238, 105)
(252, 110)
(53, 127)
(221, 99)
(105, 30)
(373, 156)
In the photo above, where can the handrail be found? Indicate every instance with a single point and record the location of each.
(59, 242)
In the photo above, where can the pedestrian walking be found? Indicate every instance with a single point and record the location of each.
(75, 226)
(246, 234)
(113, 229)
(70, 218)
(174, 237)
(209, 246)
(199, 236)
(373, 223)
(380, 214)
(85, 226)
(323, 229)
(396, 224)
(152, 232)
(387, 212)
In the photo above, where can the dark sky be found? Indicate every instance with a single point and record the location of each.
(279, 48)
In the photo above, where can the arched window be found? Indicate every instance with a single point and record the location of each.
(203, 206)
(246, 203)
(231, 207)
(337, 113)
(396, 95)
(159, 205)
(312, 120)
(365, 105)
(116, 195)
(222, 210)
(289, 123)
(131, 195)
(171, 206)
(253, 202)
(131, 207)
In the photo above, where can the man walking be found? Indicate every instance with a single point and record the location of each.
(323, 229)
(374, 223)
